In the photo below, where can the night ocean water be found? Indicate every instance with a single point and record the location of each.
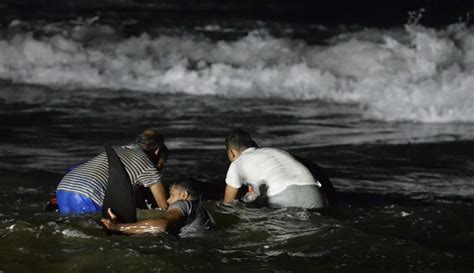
(387, 111)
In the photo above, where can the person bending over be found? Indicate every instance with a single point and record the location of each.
(272, 174)
(185, 214)
(82, 190)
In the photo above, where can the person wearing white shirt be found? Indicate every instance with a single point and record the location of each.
(271, 173)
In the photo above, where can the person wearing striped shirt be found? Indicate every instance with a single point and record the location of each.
(82, 190)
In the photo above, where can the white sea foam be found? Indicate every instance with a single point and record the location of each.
(416, 73)
(71, 233)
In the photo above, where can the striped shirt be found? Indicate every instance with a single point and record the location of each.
(90, 178)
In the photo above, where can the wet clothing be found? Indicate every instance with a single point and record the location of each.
(306, 196)
(73, 202)
(320, 174)
(90, 178)
(197, 217)
(276, 175)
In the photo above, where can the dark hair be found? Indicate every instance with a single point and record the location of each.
(239, 139)
(189, 185)
(150, 140)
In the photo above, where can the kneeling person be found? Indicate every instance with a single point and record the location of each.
(185, 214)
(286, 181)
(83, 189)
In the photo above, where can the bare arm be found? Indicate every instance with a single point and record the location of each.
(159, 193)
(230, 194)
(172, 220)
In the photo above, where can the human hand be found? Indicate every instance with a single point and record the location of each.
(111, 224)
(250, 196)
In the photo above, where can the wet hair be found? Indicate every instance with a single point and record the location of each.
(189, 185)
(239, 139)
(150, 140)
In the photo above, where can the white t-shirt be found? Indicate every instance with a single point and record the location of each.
(272, 167)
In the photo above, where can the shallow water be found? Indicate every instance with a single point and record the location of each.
(368, 233)
(405, 188)
(387, 112)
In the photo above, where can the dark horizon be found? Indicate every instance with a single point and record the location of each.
(364, 12)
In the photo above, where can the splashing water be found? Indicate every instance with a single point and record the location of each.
(416, 73)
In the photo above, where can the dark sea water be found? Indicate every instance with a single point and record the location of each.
(387, 112)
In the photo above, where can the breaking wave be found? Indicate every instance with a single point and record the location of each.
(413, 73)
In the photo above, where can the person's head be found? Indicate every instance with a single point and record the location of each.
(236, 142)
(184, 190)
(153, 143)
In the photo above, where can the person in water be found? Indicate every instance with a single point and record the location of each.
(272, 175)
(82, 190)
(185, 214)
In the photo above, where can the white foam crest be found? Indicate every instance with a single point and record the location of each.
(71, 233)
(417, 74)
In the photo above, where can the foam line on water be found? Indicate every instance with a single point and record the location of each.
(415, 73)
